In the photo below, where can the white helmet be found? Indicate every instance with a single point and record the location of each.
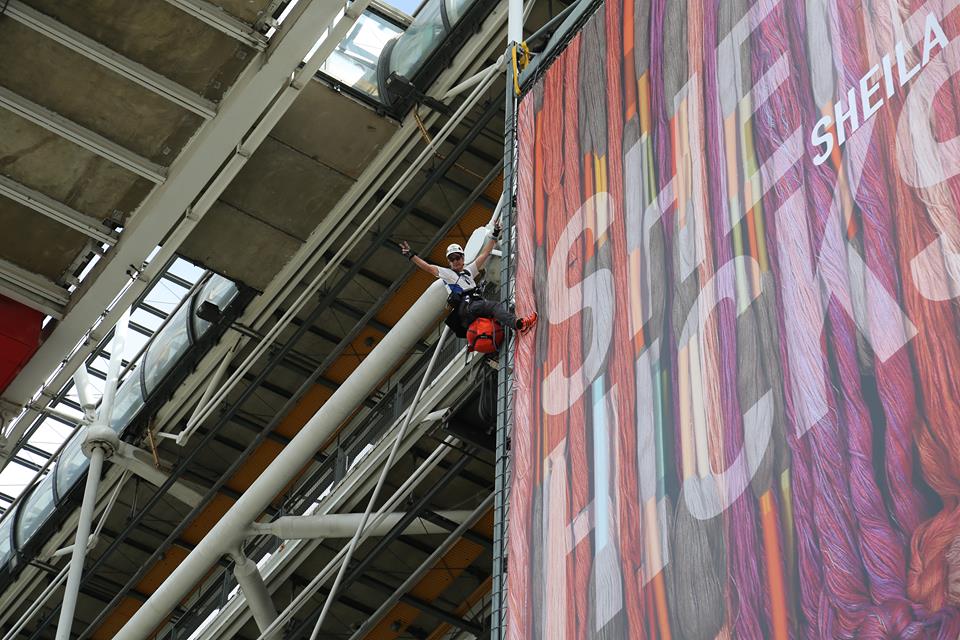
(454, 248)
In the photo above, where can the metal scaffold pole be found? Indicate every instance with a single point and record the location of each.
(99, 443)
(505, 375)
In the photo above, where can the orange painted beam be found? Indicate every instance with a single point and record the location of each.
(437, 580)
(471, 600)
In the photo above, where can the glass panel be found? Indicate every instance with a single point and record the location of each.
(354, 61)
(418, 41)
(5, 548)
(186, 270)
(35, 510)
(220, 291)
(167, 347)
(456, 9)
(128, 401)
(71, 465)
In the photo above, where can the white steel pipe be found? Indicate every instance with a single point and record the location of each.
(105, 412)
(229, 531)
(380, 482)
(63, 551)
(255, 591)
(476, 78)
(426, 566)
(85, 391)
(37, 603)
(215, 379)
(344, 525)
(72, 591)
(392, 502)
(515, 21)
(437, 416)
(97, 454)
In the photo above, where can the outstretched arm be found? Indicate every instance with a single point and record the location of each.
(488, 246)
(421, 264)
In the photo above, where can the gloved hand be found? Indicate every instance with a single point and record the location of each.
(497, 230)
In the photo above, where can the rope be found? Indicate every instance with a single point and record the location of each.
(331, 596)
(426, 137)
(519, 65)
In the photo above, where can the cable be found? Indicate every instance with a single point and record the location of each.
(376, 491)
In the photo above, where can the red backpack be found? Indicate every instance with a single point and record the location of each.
(485, 335)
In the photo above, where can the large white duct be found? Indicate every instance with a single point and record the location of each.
(229, 532)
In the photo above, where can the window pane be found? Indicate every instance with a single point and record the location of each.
(35, 511)
(419, 40)
(167, 347)
(71, 465)
(354, 61)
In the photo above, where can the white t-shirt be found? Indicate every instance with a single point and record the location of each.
(464, 280)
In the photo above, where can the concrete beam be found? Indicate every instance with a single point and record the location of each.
(68, 216)
(106, 57)
(33, 290)
(222, 22)
(81, 136)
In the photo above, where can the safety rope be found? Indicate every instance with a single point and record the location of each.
(436, 152)
(519, 64)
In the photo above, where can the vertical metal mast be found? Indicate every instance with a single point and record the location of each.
(505, 376)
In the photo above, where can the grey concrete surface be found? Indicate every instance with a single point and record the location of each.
(66, 172)
(334, 129)
(159, 36)
(239, 246)
(286, 189)
(63, 81)
(247, 10)
(36, 243)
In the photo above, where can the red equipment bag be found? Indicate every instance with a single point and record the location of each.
(485, 335)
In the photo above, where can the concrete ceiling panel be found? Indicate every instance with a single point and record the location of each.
(47, 163)
(239, 246)
(90, 95)
(247, 10)
(334, 129)
(37, 243)
(286, 189)
(159, 36)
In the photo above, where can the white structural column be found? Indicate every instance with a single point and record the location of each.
(104, 56)
(255, 591)
(230, 530)
(170, 205)
(515, 21)
(100, 441)
(69, 604)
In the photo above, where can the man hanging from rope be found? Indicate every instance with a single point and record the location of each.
(465, 297)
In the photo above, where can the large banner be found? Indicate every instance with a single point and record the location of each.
(739, 415)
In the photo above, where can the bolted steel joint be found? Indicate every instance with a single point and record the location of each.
(100, 436)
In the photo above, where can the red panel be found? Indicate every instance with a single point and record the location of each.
(19, 338)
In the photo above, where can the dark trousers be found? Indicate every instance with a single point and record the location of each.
(470, 310)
